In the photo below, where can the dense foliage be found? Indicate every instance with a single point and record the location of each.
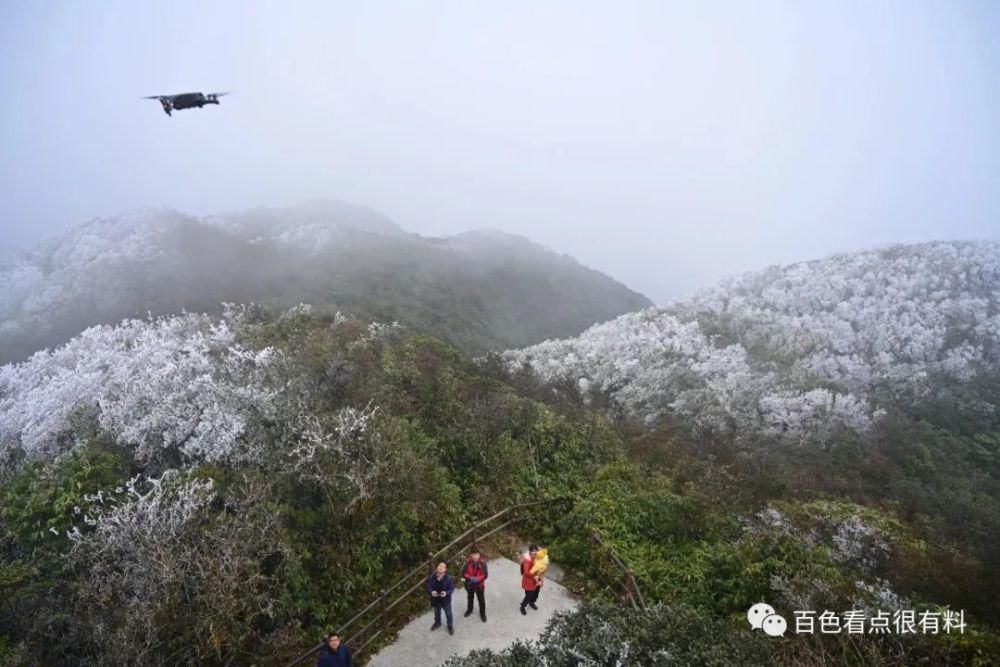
(703, 554)
(600, 634)
(820, 436)
(189, 490)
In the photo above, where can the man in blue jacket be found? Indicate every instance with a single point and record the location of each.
(334, 654)
(440, 586)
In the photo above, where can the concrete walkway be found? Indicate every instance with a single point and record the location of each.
(417, 646)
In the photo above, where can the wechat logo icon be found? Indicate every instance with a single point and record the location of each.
(761, 616)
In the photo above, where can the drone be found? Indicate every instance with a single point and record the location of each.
(185, 100)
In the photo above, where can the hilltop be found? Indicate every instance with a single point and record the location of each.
(479, 290)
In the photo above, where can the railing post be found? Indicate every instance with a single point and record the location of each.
(382, 607)
(592, 552)
(635, 589)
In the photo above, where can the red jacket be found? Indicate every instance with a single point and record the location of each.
(528, 582)
(475, 570)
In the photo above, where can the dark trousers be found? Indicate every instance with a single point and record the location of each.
(446, 605)
(477, 593)
(530, 597)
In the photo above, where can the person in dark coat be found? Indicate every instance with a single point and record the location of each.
(334, 654)
(440, 586)
(475, 573)
(531, 584)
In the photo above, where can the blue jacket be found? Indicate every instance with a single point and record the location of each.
(446, 584)
(342, 658)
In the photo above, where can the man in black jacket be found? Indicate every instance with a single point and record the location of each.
(334, 654)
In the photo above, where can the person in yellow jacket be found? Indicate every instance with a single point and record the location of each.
(540, 563)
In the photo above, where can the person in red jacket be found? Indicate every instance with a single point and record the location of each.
(475, 573)
(531, 584)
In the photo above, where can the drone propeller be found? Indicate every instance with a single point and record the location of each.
(216, 95)
(155, 97)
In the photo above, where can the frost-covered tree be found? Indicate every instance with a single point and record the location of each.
(182, 384)
(860, 541)
(350, 442)
(799, 351)
(156, 550)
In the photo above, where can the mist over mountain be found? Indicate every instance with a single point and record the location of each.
(479, 290)
(805, 350)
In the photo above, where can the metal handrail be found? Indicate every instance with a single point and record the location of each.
(383, 596)
(632, 591)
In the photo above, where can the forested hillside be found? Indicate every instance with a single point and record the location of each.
(849, 403)
(480, 290)
(191, 490)
(801, 352)
(223, 489)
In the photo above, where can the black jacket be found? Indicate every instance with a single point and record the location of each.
(342, 658)
(446, 584)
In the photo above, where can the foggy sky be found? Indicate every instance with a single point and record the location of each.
(666, 144)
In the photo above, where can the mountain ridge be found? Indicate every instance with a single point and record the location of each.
(477, 290)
